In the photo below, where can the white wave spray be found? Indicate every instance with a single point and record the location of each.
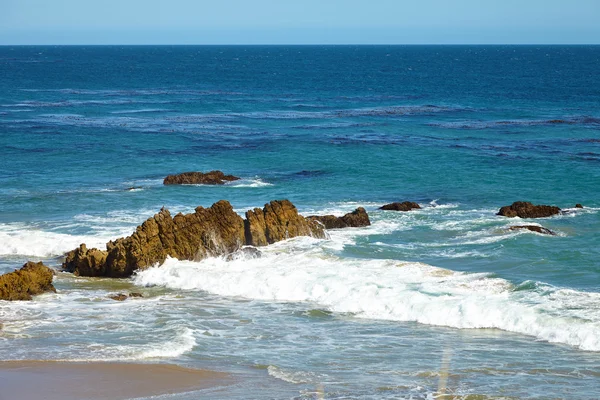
(391, 290)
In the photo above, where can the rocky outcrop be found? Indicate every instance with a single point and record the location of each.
(356, 218)
(212, 231)
(404, 206)
(82, 261)
(278, 220)
(208, 231)
(31, 279)
(199, 178)
(525, 209)
(533, 228)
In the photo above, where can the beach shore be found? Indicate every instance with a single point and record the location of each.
(52, 380)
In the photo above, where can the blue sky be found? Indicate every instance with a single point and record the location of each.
(299, 22)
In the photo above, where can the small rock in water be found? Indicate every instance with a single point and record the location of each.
(119, 297)
(199, 178)
(135, 294)
(404, 206)
(533, 228)
(524, 209)
(31, 279)
(356, 218)
(578, 205)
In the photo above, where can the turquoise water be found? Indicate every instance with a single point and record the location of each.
(443, 294)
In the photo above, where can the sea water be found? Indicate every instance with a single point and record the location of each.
(445, 299)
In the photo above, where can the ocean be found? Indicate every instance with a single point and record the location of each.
(442, 300)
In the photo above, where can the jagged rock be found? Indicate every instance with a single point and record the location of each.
(199, 178)
(135, 294)
(31, 279)
(356, 218)
(525, 209)
(578, 205)
(533, 228)
(118, 297)
(404, 206)
(206, 232)
(213, 231)
(278, 220)
(84, 262)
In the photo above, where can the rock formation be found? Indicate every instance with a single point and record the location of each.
(356, 218)
(199, 178)
(208, 231)
(278, 220)
(404, 206)
(525, 209)
(533, 228)
(213, 231)
(31, 279)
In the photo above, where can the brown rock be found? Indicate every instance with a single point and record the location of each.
(84, 262)
(199, 178)
(356, 218)
(578, 205)
(206, 232)
(213, 231)
(31, 279)
(404, 206)
(278, 220)
(118, 297)
(135, 294)
(525, 209)
(533, 228)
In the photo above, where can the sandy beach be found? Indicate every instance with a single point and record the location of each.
(94, 381)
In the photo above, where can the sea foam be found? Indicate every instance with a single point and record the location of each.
(390, 290)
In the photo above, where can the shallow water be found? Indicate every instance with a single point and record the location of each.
(442, 297)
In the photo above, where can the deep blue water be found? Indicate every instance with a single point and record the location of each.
(462, 130)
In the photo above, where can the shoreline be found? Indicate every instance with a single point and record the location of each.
(54, 380)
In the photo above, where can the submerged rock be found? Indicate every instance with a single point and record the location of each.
(213, 231)
(533, 228)
(118, 297)
(578, 205)
(356, 218)
(278, 220)
(199, 178)
(404, 206)
(525, 209)
(31, 279)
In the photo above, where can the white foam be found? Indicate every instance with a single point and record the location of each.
(249, 182)
(387, 289)
(292, 376)
(21, 240)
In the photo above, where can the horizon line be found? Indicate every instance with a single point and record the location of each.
(303, 44)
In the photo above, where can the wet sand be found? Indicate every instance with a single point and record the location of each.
(65, 381)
